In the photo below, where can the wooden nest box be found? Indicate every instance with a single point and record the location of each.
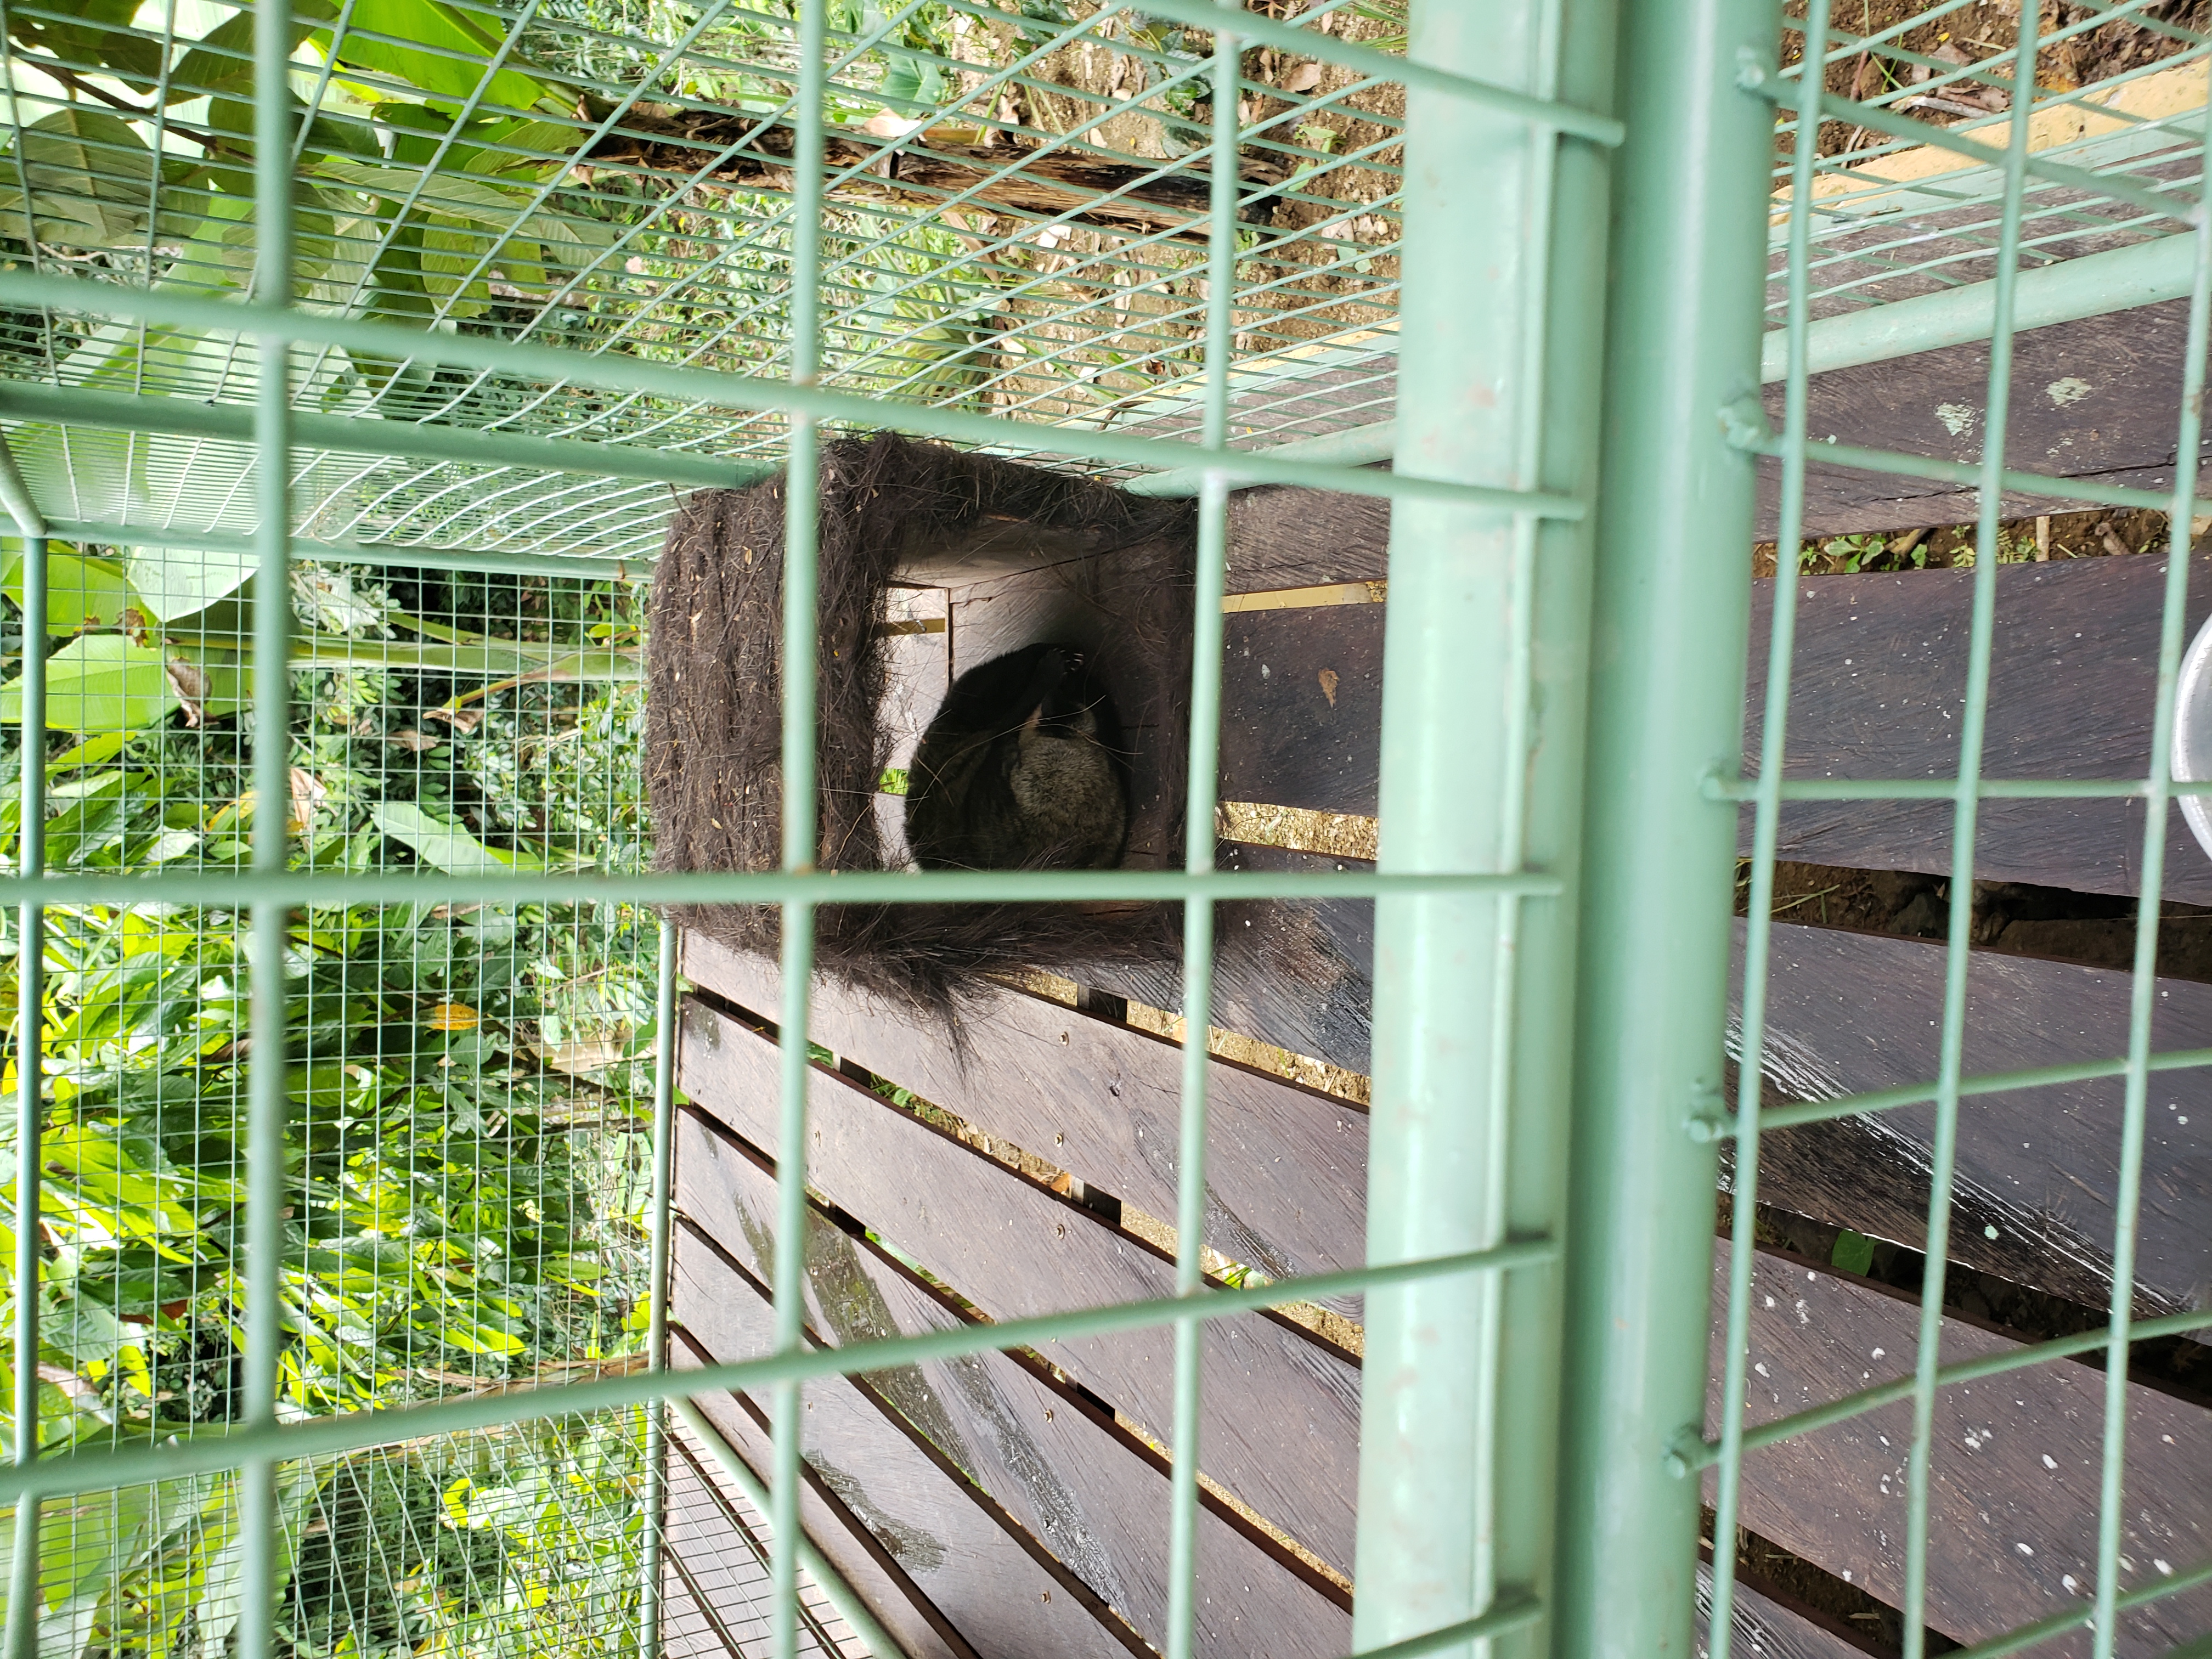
(1034, 556)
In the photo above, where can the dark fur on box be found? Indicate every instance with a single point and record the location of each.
(890, 507)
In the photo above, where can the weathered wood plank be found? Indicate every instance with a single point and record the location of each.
(1282, 537)
(1302, 707)
(1762, 1628)
(2013, 1489)
(1293, 973)
(717, 1582)
(1877, 689)
(2098, 398)
(877, 1576)
(1848, 1013)
(1083, 1487)
(2037, 1171)
(1281, 1408)
(1286, 1166)
(955, 1546)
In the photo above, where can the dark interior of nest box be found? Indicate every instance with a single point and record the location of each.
(1013, 583)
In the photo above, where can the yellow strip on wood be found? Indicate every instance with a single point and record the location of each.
(1304, 599)
(1295, 828)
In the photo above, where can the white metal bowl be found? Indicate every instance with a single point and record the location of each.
(2192, 733)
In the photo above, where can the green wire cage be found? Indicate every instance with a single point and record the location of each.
(1631, 480)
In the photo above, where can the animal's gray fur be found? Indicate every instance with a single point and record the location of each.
(1018, 770)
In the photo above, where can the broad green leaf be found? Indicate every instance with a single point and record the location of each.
(91, 179)
(95, 33)
(175, 582)
(86, 1329)
(91, 752)
(101, 682)
(444, 29)
(909, 80)
(446, 845)
(82, 591)
(499, 208)
(223, 60)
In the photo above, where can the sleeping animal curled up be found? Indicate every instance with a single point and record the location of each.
(1020, 770)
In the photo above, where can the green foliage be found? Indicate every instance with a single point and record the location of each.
(1854, 1252)
(465, 1177)
(517, 1543)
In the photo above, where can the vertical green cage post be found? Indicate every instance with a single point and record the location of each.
(1481, 769)
(1667, 677)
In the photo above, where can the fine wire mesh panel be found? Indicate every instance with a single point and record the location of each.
(372, 1104)
(1013, 221)
(467, 1101)
(1008, 214)
(2038, 251)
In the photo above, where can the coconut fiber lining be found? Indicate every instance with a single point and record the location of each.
(715, 694)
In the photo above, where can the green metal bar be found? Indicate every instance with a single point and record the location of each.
(15, 498)
(1691, 196)
(1966, 820)
(1789, 555)
(2127, 1201)
(1358, 445)
(1706, 1454)
(1485, 649)
(1413, 74)
(1211, 582)
(2058, 1623)
(1898, 463)
(560, 566)
(802, 498)
(851, 1609)
(2064, 291)
(268, 1064)
(25, 1593)
(2098, 186)
(356, 1430)
(1511, 1611)
(1987, 1083)
(750, 393)
(24, 400)
(1948, 789)
(659, 1208)
(735, 887)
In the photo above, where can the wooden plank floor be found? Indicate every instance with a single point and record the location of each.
(1103, 1098)
(953, 1573)
(1009, 1505)
(1001, 1244)
(1877, 691)
(1879, 675)
(2095, 399)
(1281, 1428)
(2013, 1491)
(1078, 1482)
(2037, 1170)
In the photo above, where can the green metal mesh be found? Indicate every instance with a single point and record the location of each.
(601, 193)
(655, 247)
(2074, 173)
